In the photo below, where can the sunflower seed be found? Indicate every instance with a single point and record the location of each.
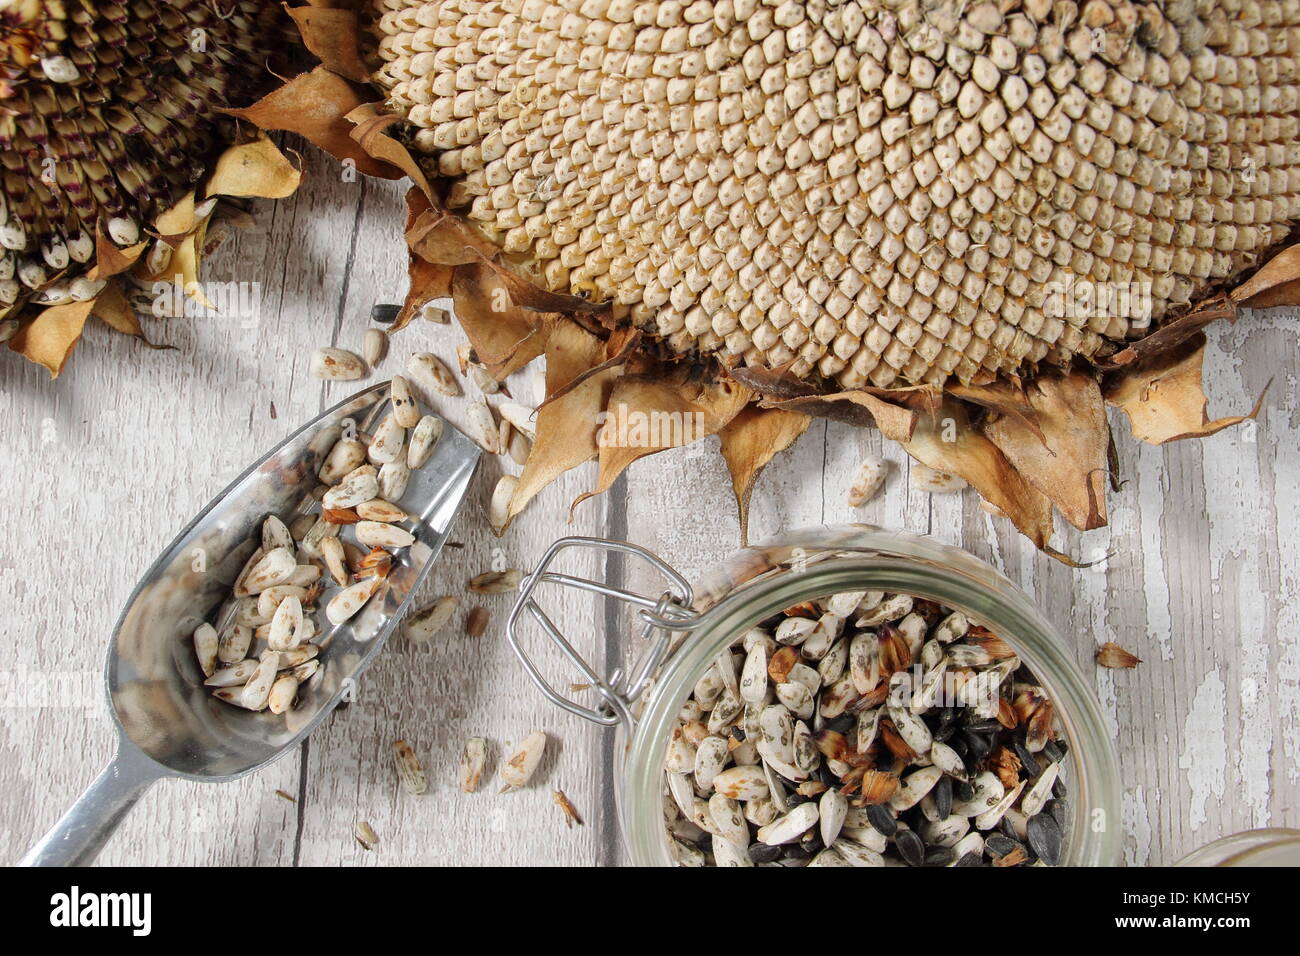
(867, 482)
(374, 346)
(258, 688)
(406, 410)
(727, 853)
(365, 835)
(386, 443)
(499, 506)
(283, 694)
(423, 437)
(377, 534)
(482, 427)
(360, 484)
(429, 371)
(409, 771)
(518, 770)
(336, 365)
(742, 783)
(472, 759)
(790, 827)
(347, 455)
(272, 568)
(496, 582)
(520, 447)
(236, 675)
(421, 625)
(476, 621)
(206, 647)
(286, 626)
(432, 313)
(351, 599)
(393, 478)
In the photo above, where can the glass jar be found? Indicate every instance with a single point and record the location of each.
(1267, 847)
(687, 628)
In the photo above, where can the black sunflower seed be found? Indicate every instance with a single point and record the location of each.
(1027, 760)
(1045, 837)
(1052, 751)
(385, 313)
(938, 856)
(985, 726)
(842, 724)
(762, 853)
(999, 844)
(910, 847)
(942, 793)
(1060, 811)
(963, 790)
(1058, 789)
(978, 747)
(970, 859)
(882, 819)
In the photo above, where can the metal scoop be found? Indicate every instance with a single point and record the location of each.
(168, 723)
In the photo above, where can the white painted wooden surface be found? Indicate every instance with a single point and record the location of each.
(105, 464)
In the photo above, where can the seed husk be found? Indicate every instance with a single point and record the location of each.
(571, 816)
(867, 482)
(473, 757)
(1112, 655)
(374, 346)
(350, 600)
(406, 410)
(206, 647)
(482, 427)
(499, 506)
(496, 582)
(283, 694)
(365, 835)
(347, 455)
(393, 478)
(379, 534)
(518, 770)
(337, 365)
(409, 771)
(476, 622)
(428, 370)
(423, 437)
(421, 625)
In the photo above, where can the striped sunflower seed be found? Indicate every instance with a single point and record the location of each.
(409, 771)
(518, 770)
(472, 760)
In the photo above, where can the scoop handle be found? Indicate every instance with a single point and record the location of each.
(82, 832)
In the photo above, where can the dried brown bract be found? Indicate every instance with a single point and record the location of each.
(566, 806)
(1112, 655)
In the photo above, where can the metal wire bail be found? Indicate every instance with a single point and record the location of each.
(661, 615)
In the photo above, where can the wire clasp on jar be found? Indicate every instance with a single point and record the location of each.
(662, 615)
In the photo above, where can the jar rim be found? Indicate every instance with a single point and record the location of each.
(871, 558)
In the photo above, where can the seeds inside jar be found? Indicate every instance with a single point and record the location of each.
(866, 729)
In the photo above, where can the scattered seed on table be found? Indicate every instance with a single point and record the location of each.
(365, 835)
(472, 759)
(518, 770)
(286, 796)
(476, 621)
(496, 582)
(408, 767)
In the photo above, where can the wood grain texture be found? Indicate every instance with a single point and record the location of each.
(1198, 577)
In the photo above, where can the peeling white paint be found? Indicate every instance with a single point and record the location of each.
(1152, 489)
(1205, 750)
(1137, 826)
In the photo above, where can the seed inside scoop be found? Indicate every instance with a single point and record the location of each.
(260, 652)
